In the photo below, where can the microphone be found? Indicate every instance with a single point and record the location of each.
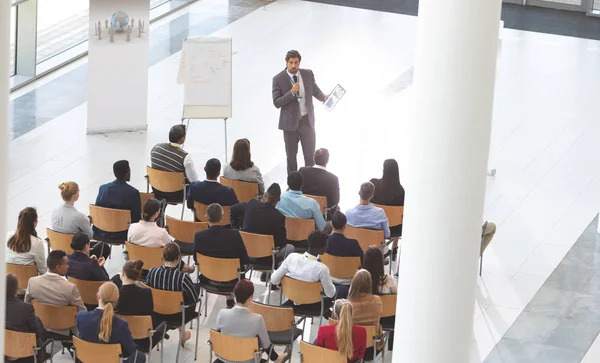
(295, 78)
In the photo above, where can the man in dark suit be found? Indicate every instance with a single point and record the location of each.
(293, 90)
(211, 191)
(219, 242)
(81, 266)
(318, 181)
(20, 316)
(119, 195)
(340, 245)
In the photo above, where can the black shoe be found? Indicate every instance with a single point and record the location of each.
(274, 288)
(263, 277)
(394, 253)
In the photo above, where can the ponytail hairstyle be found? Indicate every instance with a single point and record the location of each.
(150, 208)
(343, 329)
(108, 295)
(20, 242)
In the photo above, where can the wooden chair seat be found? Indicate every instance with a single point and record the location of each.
(246, 349)
(258, 245)
(298, 229)
(87, 289)
(184, 231)
(322, 200)
(394, 214)
(244, 191)
(314, 354)
(55, 317)
(151, 256)
(144, 198)
(200, 210)
(365, 237)
(19, 345)
(88, 352)
(59, 241)
(341, 267)
(23, 274)
(109, 219)
(167, 182)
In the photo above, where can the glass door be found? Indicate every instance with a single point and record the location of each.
(573, 5)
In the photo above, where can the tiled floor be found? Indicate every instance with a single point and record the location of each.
(544, 137)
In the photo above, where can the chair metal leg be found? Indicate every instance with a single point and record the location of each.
(304, 328)
(480, 263)
(181, 331)
(206, 305)
(197, 335)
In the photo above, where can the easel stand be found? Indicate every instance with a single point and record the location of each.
(187, 126)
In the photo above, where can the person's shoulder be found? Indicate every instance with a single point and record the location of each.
(359, 330)
(377, 299)
(280, 74)
(131, 188)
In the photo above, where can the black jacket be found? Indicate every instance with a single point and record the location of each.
(20, 317)
(342, 246)
(260, 218)
(321, 182)
(135, 300)
(208, 192)
(220, 242)
(83, 267)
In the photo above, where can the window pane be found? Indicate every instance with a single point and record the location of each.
(61, 27)
(13, 39)
(157, 3)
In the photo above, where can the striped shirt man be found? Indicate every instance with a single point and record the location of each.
(171, 157)
(171, 279)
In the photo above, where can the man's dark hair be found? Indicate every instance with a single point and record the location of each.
(12, 285)
(243, 290)
(120, 169)
(366, 191)
(55, 258)
(79, 241)
(321, 157)
(338, 220)
(295, 180)
(171, 252)
(317, 239)
(274, 192)
(212, 168)
(176, 133)
(293, 54)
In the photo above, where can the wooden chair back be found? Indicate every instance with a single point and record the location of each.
(87, 289)
(277, 318)
(109, 219)
(394, 214)
(218, 269)
(314, 354)
(59, 241)
(301, 292)
(55, 317)
(244, 191)
(298, 229)
(23, 273)
(139, 325)
(144, 198)
(371, 332)
(258, 245)
(19, 345)
(322, 200)
(184, 231)
(166, 181)
(166, 302)
(388, 302)
(365, 237)
(201, 213)
(94, 352)
(245, 348)
(341, 267)
(152, 256)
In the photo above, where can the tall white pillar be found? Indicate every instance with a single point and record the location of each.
(454, 84)
(4, 62)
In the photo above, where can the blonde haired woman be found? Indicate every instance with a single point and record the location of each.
(102, 326)
(367, 307)
(349, 340)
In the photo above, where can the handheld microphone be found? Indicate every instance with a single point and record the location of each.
(295, 78)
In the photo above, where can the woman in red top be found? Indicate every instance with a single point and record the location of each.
(350, 341)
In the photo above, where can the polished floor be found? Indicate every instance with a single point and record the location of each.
(544, 137)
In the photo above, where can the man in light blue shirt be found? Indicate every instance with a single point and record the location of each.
(365, 214)
(294, 204)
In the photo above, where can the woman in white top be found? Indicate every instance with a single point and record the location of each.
(146, 233)
(241, 166)
(24, 246)
(382, 283)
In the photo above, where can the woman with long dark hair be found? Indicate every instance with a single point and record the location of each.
(380, 281)
(24, 246)
(241, 167)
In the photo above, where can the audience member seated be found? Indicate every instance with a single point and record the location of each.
(119, 195)
(211, 191)
(52, 288)
(307, 267)
(240, 322)
(220, 242)
(20, 317)
(241, 166)
(101, 326)
(341, 246)
(294, 204)
(319, 181)
(367, 307)
(365, 214)
(24, 246)
(171, 157)
(146, 233)
(170, 278)
(82, 266)
(348, 339)
(382, 283)
(66, 219)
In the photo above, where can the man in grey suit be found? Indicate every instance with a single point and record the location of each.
(293, 90)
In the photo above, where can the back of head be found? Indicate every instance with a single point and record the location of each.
(373, 262)
(55, 258)
(108, 295)
(12, 285)
(177, 133)
(121, 169)
(317, 241)
(243, 290)
(361, 285)
(295, 180)
(20, 242)
(214, 213)
(151, 207)
(391, 174)
(273, 193)
(322, 157)
(343, 330)
(338, 220)
(132, 269)
(68, 190)
(366, 191)
(241, 158)
(171, 252)
(79, 241)
(212, 168)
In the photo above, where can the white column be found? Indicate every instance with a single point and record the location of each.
(454, 85)
(4, 62)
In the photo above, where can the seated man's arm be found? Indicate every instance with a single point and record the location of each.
(190, 199)
(190, 171)
(136, 206)
(316, 214)
(75, 299)
(328, 286)
(236, 215)
(280, 272)
(279, 232)
(263, 337)
(244, 259)
(385, 225)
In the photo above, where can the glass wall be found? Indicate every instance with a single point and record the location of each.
(596, 5)
(13, 40)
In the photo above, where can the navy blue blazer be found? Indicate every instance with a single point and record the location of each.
(85, 268)
(342, 246)
(209, 192)
(88, 324)
(118, 195)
